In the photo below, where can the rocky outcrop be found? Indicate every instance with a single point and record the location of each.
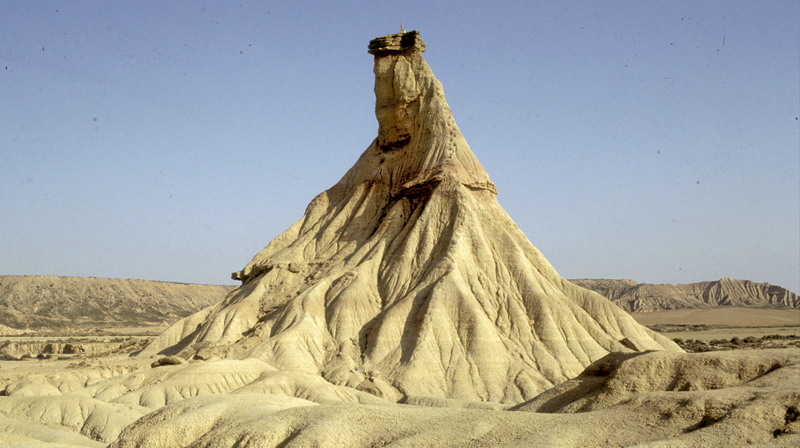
(643, 297)
(402, 42)
(407, 278)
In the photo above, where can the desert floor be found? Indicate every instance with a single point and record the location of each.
(742, 393)
(732, 317)
(722, 323)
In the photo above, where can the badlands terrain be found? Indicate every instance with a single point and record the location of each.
(643, 297)
(73, 305)
(405, 308)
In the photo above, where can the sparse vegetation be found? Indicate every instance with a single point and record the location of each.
(736, 343)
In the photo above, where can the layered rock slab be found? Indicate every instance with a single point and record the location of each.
(407, 278)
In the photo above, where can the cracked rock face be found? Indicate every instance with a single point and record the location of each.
(407, 278)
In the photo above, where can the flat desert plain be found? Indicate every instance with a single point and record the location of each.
(732, 317)
(722, 323)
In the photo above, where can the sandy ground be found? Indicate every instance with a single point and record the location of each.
(723, 323)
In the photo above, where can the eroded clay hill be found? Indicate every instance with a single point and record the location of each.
(644, 297)
(407, 278)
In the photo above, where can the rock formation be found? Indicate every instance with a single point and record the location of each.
(407, 278)
(644, 297)
(407, 282)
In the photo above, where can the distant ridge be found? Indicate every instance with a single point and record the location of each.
(643, 297)
(51, 303)
(72, 304)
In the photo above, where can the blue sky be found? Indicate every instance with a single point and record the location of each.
(656, 141)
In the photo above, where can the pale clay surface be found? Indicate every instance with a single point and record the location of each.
(406, 282)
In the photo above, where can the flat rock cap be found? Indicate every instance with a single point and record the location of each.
(397, 43)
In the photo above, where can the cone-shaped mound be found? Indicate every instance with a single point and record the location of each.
(407, 278)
